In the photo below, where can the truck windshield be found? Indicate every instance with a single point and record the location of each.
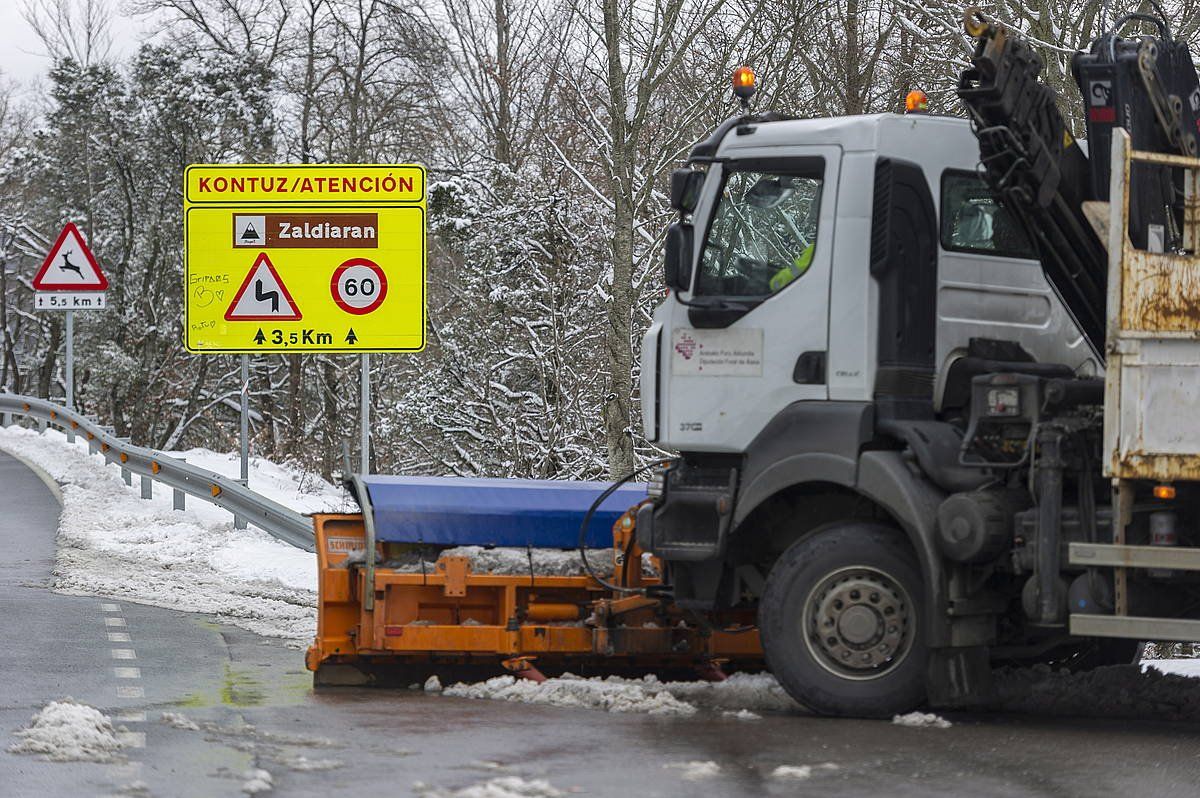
(762, 235)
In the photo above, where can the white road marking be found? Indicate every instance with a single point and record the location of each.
(128, 673)
(130, 692)
(123, 653)
(119, 637)
(132, 739)
(110, 607)
(114, 621)
(131, 716)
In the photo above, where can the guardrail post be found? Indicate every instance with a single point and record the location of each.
(42, 425)
(5, 419)
(147, 487)
(178, 497)
(239, 522)
(126, 474)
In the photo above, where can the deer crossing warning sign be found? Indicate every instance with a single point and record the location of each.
(293, 258)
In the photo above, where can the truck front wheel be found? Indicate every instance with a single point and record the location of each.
(841, 622)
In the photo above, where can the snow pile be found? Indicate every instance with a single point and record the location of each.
(1178, 667)
(433, 685)
(515, 562)
(799, 772)
(695, 770)
(742, 694)
(180, 721)
(257, 780)
(500, 787)
(1115, 691)
(611, 695)
(302, 491)
(67, 731)
(113, 543)
(305, 765)
(919, 720)
(741, 714)
(546, 562)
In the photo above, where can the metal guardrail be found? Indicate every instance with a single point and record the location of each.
(228, 493)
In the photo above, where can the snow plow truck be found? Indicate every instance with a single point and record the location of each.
(931, 382)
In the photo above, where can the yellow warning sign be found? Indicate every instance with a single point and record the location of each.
(294, 258)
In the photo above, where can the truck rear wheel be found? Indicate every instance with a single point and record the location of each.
(841, 622)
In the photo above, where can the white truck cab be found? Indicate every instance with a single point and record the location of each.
(783, 229)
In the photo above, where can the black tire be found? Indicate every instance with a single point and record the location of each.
(860, 582)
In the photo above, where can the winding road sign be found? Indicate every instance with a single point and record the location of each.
(304, 258)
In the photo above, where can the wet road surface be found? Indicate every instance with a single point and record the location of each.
(252, 702)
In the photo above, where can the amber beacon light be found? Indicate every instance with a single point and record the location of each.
(916, 102)
(744, 84)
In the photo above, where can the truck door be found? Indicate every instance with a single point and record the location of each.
(753, 336)
(991, 285)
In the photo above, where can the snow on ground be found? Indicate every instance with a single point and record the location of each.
(799, 772)
(113, 543)
(696, 770)
(921, 720)
(257, 780)
(1178, 667)
(740, 693)
(499, 787)
(67, 731)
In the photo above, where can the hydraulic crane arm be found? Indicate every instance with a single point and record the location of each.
(1147, 85)
(1031, 160)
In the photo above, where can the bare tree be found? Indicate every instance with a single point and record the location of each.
(635, 56)
(74, 29)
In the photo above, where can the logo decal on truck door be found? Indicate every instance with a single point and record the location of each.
(733, 352)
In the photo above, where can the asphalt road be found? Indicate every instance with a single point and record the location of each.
(253, 704)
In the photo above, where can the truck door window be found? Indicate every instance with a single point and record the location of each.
(974, 220)
(762, 235)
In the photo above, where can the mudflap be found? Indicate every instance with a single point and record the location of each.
(339, 674)
(959, 678)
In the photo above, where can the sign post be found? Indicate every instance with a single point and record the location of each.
(70, 279)
(244, 434)
(364, 415)
(304, 258)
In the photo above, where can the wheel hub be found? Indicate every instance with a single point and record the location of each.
(857, 622)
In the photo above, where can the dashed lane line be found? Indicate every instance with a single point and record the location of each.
(114, 620)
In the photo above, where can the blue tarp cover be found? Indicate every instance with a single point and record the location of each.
(461, 511)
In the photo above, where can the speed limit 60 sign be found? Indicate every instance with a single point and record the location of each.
(301, 258)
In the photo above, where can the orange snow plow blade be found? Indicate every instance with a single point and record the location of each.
(459, 623)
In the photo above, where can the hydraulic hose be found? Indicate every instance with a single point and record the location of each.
(587, 520)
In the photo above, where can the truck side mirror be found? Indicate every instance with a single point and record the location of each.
(685, 189)
(678, 260)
